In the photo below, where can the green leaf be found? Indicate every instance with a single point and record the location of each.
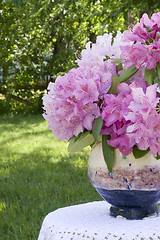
(78, 143)
(158, 69)
(149, 75)
(139, 153)
(127, 73)
(115, 82)
(118, 60)
(157, 80)
(97, 125)
(119, 67)
(158, 157)
(108, 153)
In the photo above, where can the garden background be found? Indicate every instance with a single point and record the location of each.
(38, 41)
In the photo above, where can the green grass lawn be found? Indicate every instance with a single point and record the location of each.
(37, 176)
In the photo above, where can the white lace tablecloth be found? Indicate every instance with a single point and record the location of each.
(91, 221)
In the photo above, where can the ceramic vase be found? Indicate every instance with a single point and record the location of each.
(133, 187)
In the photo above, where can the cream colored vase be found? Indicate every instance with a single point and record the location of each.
(133, 187)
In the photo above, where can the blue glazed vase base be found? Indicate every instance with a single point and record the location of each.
(133, 213)
(132, 204)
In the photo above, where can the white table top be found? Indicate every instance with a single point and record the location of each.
(91, 221)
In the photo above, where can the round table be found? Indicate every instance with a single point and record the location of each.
(91, 221)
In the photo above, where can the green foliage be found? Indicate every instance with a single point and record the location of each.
(87, 138)
(97, 125)
(37, 176)
(80, 142)
(158, 69)
(127, 73)
(139, 153)
(41, 39)
(157, 79)
(115, 82)
(150, 75)
(108, 153)
(158, 157)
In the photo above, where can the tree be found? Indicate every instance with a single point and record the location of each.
(41, 39)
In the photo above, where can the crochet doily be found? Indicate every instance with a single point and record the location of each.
(92, 221)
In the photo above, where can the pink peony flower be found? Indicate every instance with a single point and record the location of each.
(135, 54)
(143, 43)
(130, 118)
(114, 109)
(95, 53)
(146, 21)
(71, 102)
(139, 76)
(145, 120)
(116, 46)
(140, 32)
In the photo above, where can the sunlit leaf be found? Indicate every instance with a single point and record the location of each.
(118, 60)
(78, 143)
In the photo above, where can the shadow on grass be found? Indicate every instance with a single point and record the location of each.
(22, 135)
(35, 185)
(21, 119)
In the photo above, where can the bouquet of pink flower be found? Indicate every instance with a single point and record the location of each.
(113, 92)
